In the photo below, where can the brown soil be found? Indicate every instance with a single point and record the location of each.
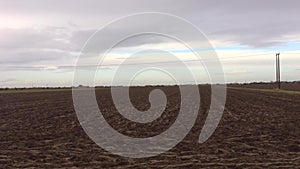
(258, 130)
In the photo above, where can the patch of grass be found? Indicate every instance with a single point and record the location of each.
(268, 90)
(32, 90)
(40, 90)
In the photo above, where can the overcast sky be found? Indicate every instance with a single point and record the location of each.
(41, 40)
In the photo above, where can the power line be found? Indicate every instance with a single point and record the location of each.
(131, 64)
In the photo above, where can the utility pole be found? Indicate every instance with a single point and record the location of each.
(278, 70)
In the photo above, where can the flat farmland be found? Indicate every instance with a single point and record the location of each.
(259, 129)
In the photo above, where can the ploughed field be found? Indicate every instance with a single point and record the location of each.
(259, 129)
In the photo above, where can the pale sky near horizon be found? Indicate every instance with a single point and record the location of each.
(41, 40)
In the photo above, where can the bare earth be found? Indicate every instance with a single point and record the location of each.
(259, 129)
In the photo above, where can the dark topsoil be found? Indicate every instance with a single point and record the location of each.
(258, 130)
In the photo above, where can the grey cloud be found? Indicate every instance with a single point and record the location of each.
(256, 23)
(56, 69)
(32, 56)
(27, 38)
(33, 45)
(7, 80)
(238, 72)
(253, 23)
